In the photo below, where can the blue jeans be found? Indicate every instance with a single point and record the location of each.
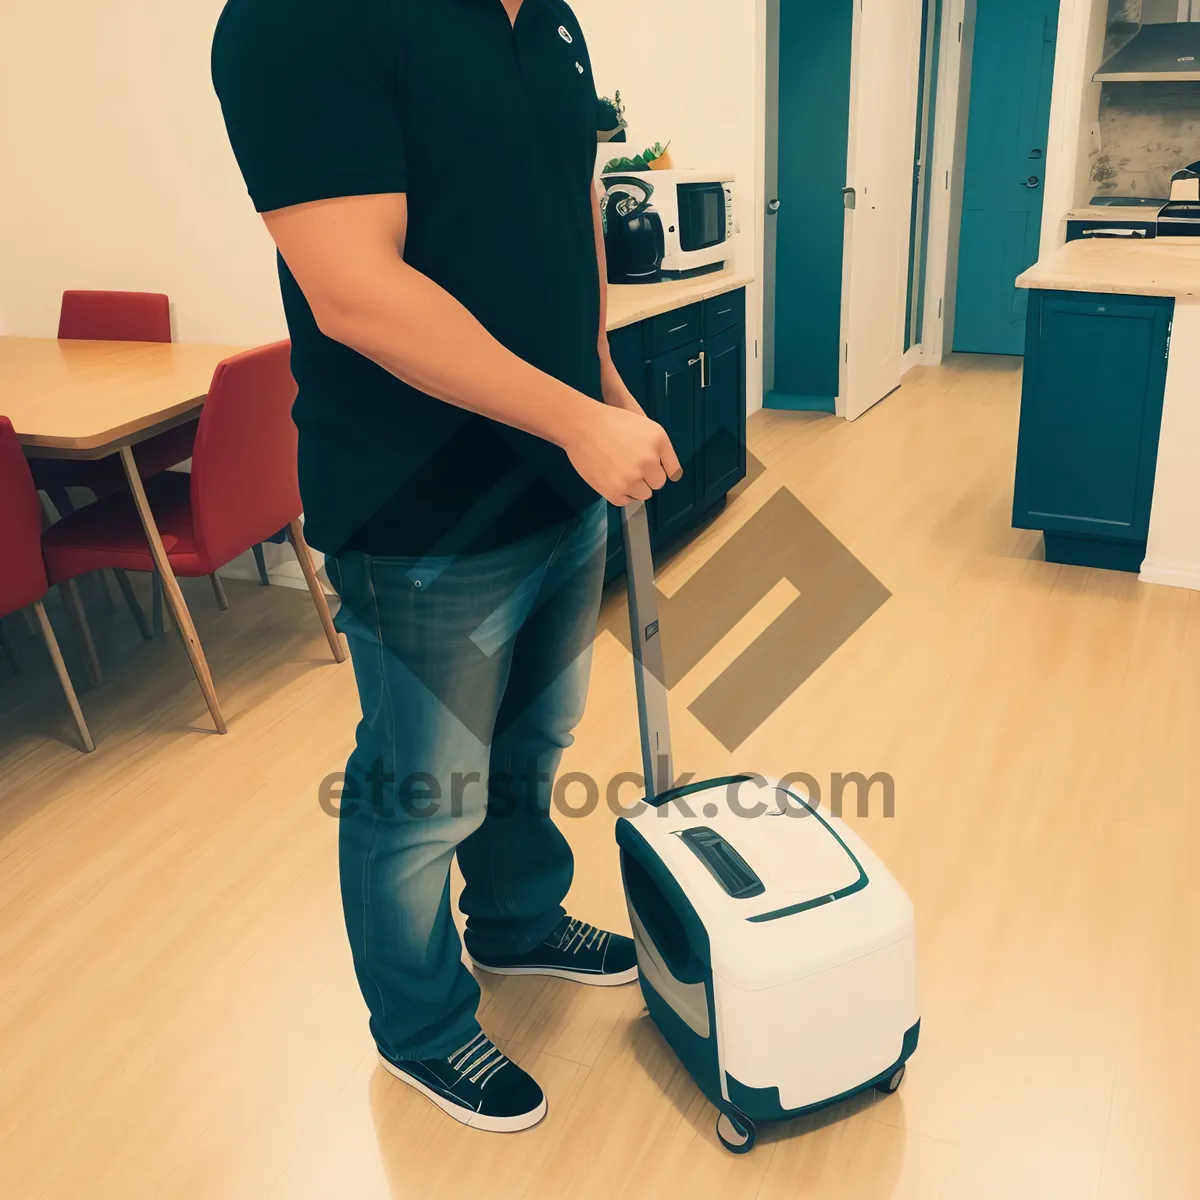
(472, 673)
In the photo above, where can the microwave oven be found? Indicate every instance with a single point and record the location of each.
(697, 214)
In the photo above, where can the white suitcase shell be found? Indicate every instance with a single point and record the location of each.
(776, 952)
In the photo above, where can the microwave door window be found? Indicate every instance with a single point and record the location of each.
(701, 215)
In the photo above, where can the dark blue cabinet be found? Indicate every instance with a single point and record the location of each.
(721, 462)
(1091, 411)
(675, 405)
(687, 369)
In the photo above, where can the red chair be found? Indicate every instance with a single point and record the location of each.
(242, 489)
(114, 317)
(23, 580)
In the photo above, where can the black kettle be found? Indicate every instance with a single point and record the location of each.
(634, 242)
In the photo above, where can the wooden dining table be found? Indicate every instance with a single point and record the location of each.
(87, 400)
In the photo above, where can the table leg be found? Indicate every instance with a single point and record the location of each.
(170, 586)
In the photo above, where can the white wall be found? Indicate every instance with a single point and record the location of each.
(1074, 114)
(117, 172)
(1173, 550)
(118, 175)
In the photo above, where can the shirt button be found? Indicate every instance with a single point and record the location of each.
(417, 583)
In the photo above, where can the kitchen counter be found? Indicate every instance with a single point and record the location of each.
(1125, 371)
(629, 303)
(1159, 267)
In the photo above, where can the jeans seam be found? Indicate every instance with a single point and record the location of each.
(369, 860)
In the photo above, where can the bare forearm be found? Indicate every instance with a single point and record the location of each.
(347, 255)
(415, 329)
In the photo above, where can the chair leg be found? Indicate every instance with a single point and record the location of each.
(156, 600)
(296, 534)
(8, 649)
(64, 677)
(83, 634)
(104, 587)
(261, 560)
(61, 501)
(31, 622)
(174, 597)
(134, 607)
(219, 591)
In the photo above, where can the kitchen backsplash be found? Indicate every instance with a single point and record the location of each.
(1147, 130)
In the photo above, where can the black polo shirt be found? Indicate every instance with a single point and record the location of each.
(490, 129)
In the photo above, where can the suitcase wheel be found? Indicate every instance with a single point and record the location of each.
(893, 1082)
(736, 1132)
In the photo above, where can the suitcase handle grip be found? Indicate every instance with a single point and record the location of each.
(648, 666)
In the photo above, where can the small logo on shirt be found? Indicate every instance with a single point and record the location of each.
(565, 34)
(579, 68)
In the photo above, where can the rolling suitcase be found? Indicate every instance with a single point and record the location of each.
(775, 951)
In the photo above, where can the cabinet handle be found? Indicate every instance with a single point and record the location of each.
(703, 361)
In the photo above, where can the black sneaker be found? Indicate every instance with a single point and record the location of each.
(477, 1085)
(575, 951)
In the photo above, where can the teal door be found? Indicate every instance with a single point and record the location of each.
(1012, 74)
(814, 139)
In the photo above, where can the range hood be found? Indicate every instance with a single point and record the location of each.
(1166, 47)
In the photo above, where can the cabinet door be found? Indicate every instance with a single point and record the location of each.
(675, 405)
(1091, 411)
(722, 457)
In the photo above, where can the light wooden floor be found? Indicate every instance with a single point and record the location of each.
(178, 1016)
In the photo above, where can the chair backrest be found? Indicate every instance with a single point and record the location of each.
(244, 475)
(115, 317)
(22, 570)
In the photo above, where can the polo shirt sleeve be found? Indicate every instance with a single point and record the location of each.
(310, 94)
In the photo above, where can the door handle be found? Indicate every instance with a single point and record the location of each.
(850, 197)
(1032, 182)
(702, 360)
(773, 207)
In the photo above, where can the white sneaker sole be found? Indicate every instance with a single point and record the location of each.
(467, 1116)
(618, 980)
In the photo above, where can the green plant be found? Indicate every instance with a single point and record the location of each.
(640, 162)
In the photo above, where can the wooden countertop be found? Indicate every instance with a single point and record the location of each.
(1161, 267)
(629, 303)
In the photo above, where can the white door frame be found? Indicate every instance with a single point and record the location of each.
(862, 168)
(1072, 141)
(1074, 113)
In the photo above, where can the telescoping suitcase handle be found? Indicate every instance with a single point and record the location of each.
(649, 673)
